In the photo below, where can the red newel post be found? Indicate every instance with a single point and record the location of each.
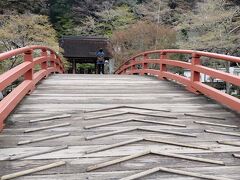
(53, 57)
(195, 76)
(28, 58)
(163, 67)
(144, 64)
(133, 67)
(195, 61)
(44, 54)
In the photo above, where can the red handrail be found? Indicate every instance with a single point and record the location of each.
(49, 62)
(193, 84)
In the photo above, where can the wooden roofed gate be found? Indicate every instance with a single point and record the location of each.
(82, 50)
(75, 126)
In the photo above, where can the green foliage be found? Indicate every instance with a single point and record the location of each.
(140, 37)
(21, 30)
(108, 21)
(211, 27)
(61, 16)
(23, 6)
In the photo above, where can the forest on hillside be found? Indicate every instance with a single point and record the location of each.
(132, 25)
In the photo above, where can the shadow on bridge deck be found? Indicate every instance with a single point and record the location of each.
(150, 123)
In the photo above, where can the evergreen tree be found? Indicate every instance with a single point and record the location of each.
(61, 16)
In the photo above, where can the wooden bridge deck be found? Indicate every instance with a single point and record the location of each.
(71, 95)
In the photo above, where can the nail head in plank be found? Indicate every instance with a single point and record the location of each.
(215, 124)
(115, 161)
(50, 118)
(228, 143)
(236, 155)
(33, 170)
(174, 171)
(223, 133)
(114, 145)
(202, 116)
(12, 158)
(43, 138)
(188, 157)
(46, 127)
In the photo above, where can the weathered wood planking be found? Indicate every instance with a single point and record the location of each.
(63, 99)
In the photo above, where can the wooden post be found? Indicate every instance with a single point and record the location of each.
(163, 67)
(29, 74)
(133, 67)
(195, 75)
(74, 66)
(44, 64)
(144, 65)
(28, 58)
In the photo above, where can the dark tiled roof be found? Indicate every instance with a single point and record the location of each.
(84, 47)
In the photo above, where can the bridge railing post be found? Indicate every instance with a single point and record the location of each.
(44, 64)
(163, 67)
(52, 62)
(28, 57)
(195, 75)
(144, 64)
(133, 66)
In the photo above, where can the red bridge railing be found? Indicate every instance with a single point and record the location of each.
(48, 62)
(193, 84)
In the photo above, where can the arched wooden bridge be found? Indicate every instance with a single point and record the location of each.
(163, 126)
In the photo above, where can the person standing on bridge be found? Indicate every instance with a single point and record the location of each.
(100, 61)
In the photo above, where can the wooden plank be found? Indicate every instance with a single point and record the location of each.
(126, 158)
(135, 113)
(104, 116)
(215, 124)
(50, 118)
(110, 133)
(202, 116)
(43, 138)
(167, 132)
(137, 120)
(141, 174)
(33, 170)
(174, 171)
(176, 143)
(223, 133)
(115, 161)
(46, 127)
(145, 139)
(114, 145)
(12, 158)
(229, 143)
(125, 106)
(236, 155)
(141, 129)
(153, 115)
(188, 157)
(106, 124)
(160, 122)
